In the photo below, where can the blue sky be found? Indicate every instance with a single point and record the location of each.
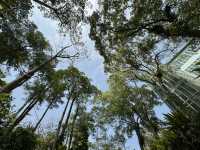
(92, 66)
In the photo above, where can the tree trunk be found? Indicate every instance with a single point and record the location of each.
(22, 107)
(45, 112)
(140, 136)
(67, 140)
(20, 80)
(23, 114)
(32, 102)
(62, 117)
(62, 134)
(44, 4)
(60, 123)
(183, 32)
(72, 129)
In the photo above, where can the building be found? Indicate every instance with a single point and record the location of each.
(184, 63)
(180, 86)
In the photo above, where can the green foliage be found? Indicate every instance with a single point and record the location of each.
(163, 142)
(180, 133)
(79, 90)
(127, 108)
(14, 16)
(136, 37)
(68, 13)
(2, 76)
(133, 36)
(21, 45)
(20, 139)
(75, 80)
(139, 34)
(81, 133)
(46, 141)
(5, 111)
(30, 51)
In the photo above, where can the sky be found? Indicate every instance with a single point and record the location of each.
(91, 63)
(92, 66)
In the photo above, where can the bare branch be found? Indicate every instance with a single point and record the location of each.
(45, 5)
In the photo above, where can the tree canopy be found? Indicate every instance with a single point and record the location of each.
(138, 39)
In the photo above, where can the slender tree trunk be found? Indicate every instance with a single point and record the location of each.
(32, 103)
(62, 134)
(72, 129)
(140, 137)
(23, 114)
(45, 112)
(20, 80)
(60, 123)
(22, 107)
(67, 140)
(45, 5)
(62, 117)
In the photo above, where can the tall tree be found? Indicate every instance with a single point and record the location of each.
(80, 91)
(81, 132)
(69, 140)
(45, 88)
(43, 67)
(128, 108)
(21, 139)
(140, 34)
(23, 47)
(176, 132)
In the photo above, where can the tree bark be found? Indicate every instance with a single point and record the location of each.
(62, 117)
(22, 107)
(62, 134)
(45, 5)
(72, 129)
(140, 136)
(45, 112)
(67, 140)
(60, 123)
(22, 79)
(183, 32)
(23, 114)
